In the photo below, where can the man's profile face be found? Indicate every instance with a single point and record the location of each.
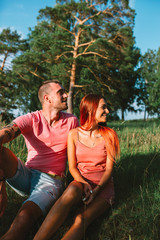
(58, 96)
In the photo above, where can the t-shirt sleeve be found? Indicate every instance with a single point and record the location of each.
(24, 122)
(75, 122)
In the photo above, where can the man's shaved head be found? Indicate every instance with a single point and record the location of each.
(45, 89)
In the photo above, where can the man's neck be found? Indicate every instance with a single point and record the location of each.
(51, 117)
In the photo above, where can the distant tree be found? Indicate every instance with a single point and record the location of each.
(154, 97)
(127, 74)
(149, 83)
(10, 45)
(81, 42)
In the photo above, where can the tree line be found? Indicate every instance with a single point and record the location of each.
(90, 47)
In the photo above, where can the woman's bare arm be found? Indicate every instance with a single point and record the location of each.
(71, 150)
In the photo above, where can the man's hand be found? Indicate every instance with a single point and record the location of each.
(3, 197)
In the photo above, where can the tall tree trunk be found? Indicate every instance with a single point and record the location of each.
(4, 61)
(73, 74)
(145, 114)
(71, 87)
(122, 114)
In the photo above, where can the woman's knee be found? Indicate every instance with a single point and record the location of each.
(81, 221)
(73, 192)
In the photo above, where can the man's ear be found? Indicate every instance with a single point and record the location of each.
(47, 98)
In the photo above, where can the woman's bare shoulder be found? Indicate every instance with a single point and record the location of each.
(73, 132)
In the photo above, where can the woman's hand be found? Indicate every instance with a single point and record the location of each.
(92, 195)
(88, 193)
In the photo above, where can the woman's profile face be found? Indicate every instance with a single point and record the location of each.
(102, 111)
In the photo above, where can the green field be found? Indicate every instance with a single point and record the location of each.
(136, 214)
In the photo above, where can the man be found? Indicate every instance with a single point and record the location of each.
(41, 178)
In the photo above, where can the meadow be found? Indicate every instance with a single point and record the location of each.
(136, 213)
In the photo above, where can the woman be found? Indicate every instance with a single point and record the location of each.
(92, 149)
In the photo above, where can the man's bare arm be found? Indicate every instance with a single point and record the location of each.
(9, 132)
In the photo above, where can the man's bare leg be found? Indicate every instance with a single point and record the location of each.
(8, 163)
(29, 213)
(27, 216)
(8, 168)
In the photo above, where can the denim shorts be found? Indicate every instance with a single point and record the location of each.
(39, 187)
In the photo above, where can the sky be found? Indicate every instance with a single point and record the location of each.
(21, 15)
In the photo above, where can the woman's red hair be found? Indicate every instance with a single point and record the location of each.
(88, 108)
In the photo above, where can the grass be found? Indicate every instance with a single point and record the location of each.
(136, 214)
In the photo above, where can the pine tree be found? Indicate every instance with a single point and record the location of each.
(81, 43)
(149, 82)
(10, 45)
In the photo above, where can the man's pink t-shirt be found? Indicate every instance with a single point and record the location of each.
(47, 146)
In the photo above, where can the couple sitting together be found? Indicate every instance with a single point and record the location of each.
(53, 136)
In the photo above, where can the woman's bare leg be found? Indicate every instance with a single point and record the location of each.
(59, 211)
(84, 219)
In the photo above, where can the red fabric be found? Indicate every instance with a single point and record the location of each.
(91, 163)
(46, 145)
